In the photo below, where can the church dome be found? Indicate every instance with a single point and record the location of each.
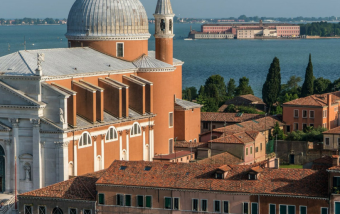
(107, 20)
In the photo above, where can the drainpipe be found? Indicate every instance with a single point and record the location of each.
(258, 201)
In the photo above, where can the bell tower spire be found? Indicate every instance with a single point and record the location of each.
(164, 31)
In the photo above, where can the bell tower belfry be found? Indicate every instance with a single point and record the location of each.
(164, 31)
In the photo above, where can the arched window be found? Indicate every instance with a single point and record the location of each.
(135, 130)
(170, 25)
(57, 210)
(111, 134)
(162, 25)
(85, 139)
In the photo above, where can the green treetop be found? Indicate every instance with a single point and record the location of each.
(231, 87)
(272, 87)
(308, 85)
(215, 88)
(244, 87)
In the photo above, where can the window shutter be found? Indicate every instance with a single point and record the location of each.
(148, 201)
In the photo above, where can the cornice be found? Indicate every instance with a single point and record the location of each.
(109, 38)
(149, 70)
(55, 199)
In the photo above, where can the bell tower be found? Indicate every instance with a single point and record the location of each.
(164, 31)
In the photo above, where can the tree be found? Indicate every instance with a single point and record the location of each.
(231, 87)
(308, 85)
(231, 109)
(293, 82)
(215, 88)
(209, 104)
(272, 87)
(322, 85)
(244, 87)
(278, 132)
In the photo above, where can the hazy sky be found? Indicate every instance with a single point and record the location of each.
(186, 8)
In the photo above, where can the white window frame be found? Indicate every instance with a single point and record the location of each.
(202, 204)
(247, 151)
(215, 207)
(228, 207)
(87, 209)
(251, 150)
(324, 113)
(324, 208)
(98, 197)
(306, 113)
(198, 205)
(117, 49)
(243, 207)
(81, 137)
(301, 207)
(297, 113)
(117, 199)
(107, 133)
(45, 209)
(329, 140)
(173, 203)
(173, 120)
(28, 205)
(173, 145)
(251, 211)
(269, 208)
(294, 128)
(132, 129)
(145, 201)
(304, 124)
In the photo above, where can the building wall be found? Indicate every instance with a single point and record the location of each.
(133, 49)
(50, 204)
(287, 31)
(334, 140)
(313, 205)
(236, 201)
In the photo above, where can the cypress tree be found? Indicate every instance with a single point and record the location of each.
(231, 87)
(272, 87)
(308, 85)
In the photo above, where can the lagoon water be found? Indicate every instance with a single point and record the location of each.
(229, 58)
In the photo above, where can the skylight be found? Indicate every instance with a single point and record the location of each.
(147, 168)
(123, 167)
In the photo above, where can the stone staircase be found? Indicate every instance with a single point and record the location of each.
(7, 202)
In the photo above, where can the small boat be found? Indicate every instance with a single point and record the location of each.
(33, 44)
(188, 39)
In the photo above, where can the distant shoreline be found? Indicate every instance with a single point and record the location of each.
(32, 25)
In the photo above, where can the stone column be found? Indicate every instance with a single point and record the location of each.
(61, 161)
(42, 166)
(151, 146)
(102, 151)
(36, 168)
(127, 131)
(120, 145)
(8, 165)
(144, 158)
(15, 137)
(95, 168)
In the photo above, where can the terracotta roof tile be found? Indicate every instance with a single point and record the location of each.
(77, 188)
(228, 117)
(178, 154)
(258, 125)
(295, 182)
(313, 100)
(223, 158)
(184, 144)
(333, 131)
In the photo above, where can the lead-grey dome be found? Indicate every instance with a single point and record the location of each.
(107, 20)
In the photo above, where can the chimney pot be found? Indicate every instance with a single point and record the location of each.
(335, 159)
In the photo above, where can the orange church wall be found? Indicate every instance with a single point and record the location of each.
(188, 124)
(86, 103)
(178, 81)
(85, 164)
(164, 96)
(133, 49)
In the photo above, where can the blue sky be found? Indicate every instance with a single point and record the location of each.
(186, 8)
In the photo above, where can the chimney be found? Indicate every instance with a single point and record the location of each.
(335, 160)
(329, 103)
(277, 163)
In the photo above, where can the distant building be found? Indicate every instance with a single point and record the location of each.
(165, 188)
(213, 120)
(176, 157)
(249, 30)
(314, 111)
(331, 139)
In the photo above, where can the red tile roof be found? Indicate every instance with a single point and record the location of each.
(243, 138)
(322, 163)
(258, 125)
(173, 155)
(313, 100)
(245, 100)
(184, 144)
(294, 182)
(333, 131)
(77, 188)
(224, 158)
(228, 117)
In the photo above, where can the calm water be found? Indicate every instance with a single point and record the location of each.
(229, 58)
